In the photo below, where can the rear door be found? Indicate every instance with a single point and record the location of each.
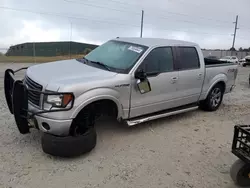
(163, 78)
(191, 74)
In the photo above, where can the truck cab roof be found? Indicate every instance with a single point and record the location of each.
(151, 42)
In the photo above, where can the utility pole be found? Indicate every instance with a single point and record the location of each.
(34, 52)
(70, 40)
(142, 15)
(235, 30)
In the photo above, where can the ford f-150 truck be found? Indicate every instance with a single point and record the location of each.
(131, 79)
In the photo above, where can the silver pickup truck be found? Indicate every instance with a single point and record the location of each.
(131, 79)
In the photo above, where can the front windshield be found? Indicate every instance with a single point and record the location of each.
(118, 56)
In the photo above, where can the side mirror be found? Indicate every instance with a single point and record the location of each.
(142, 82)
(140, 74)
(143, 86)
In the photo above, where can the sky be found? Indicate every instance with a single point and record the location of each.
(206, 22)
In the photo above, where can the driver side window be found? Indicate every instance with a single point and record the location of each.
(158, 60)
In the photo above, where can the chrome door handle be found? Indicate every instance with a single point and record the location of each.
(174, 79)
(199, 76)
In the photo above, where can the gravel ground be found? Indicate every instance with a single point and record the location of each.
(190, 150)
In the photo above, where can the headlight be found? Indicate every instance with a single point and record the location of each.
(60, 101)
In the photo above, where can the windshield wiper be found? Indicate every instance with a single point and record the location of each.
(86, 61)
(83, 60)
(101, 64)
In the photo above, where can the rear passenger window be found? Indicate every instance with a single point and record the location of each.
(158, 60)
(189, 58)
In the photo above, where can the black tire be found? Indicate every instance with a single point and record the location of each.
(244, 65)
(85, 120)
(207, 104)
(69, 146)
(240, 173)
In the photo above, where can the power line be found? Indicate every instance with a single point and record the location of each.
(198, 5)
(163, 10)
(62, 15)
(162, 17)
(245, 28)
(204, 33)
(187, 21)
(197, 17)
(100, 21)
(119, 2)
(97, 6)
(247, 38)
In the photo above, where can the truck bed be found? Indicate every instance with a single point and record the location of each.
(216, 63)
(215, 69)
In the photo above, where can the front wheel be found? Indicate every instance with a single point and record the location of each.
(81, 139)
(214, 99)
(69, 146)
(240, 173)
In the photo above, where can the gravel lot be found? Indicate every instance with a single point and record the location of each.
(190, 150)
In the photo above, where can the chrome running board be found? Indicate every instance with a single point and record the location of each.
(136, 121)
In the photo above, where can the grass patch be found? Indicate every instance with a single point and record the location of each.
(29, 59)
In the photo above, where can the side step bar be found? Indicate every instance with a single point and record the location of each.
(139, 120)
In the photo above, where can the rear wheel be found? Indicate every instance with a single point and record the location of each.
(240, 173)
(214, 98)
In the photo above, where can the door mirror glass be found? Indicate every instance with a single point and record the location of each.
(144, 86)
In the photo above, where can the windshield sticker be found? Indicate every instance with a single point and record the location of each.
(135, 49)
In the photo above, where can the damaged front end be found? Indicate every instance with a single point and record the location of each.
(18, 96)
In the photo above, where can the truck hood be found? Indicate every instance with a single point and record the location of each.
(66, 72)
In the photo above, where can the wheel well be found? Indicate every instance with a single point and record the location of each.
(87, 116)
(222, 84)
(100, 107)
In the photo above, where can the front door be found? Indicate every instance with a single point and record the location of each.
(163, 78)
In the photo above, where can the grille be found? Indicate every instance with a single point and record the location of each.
(33, 97)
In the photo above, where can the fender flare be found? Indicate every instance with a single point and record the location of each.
(88, 100)
(214, 83)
